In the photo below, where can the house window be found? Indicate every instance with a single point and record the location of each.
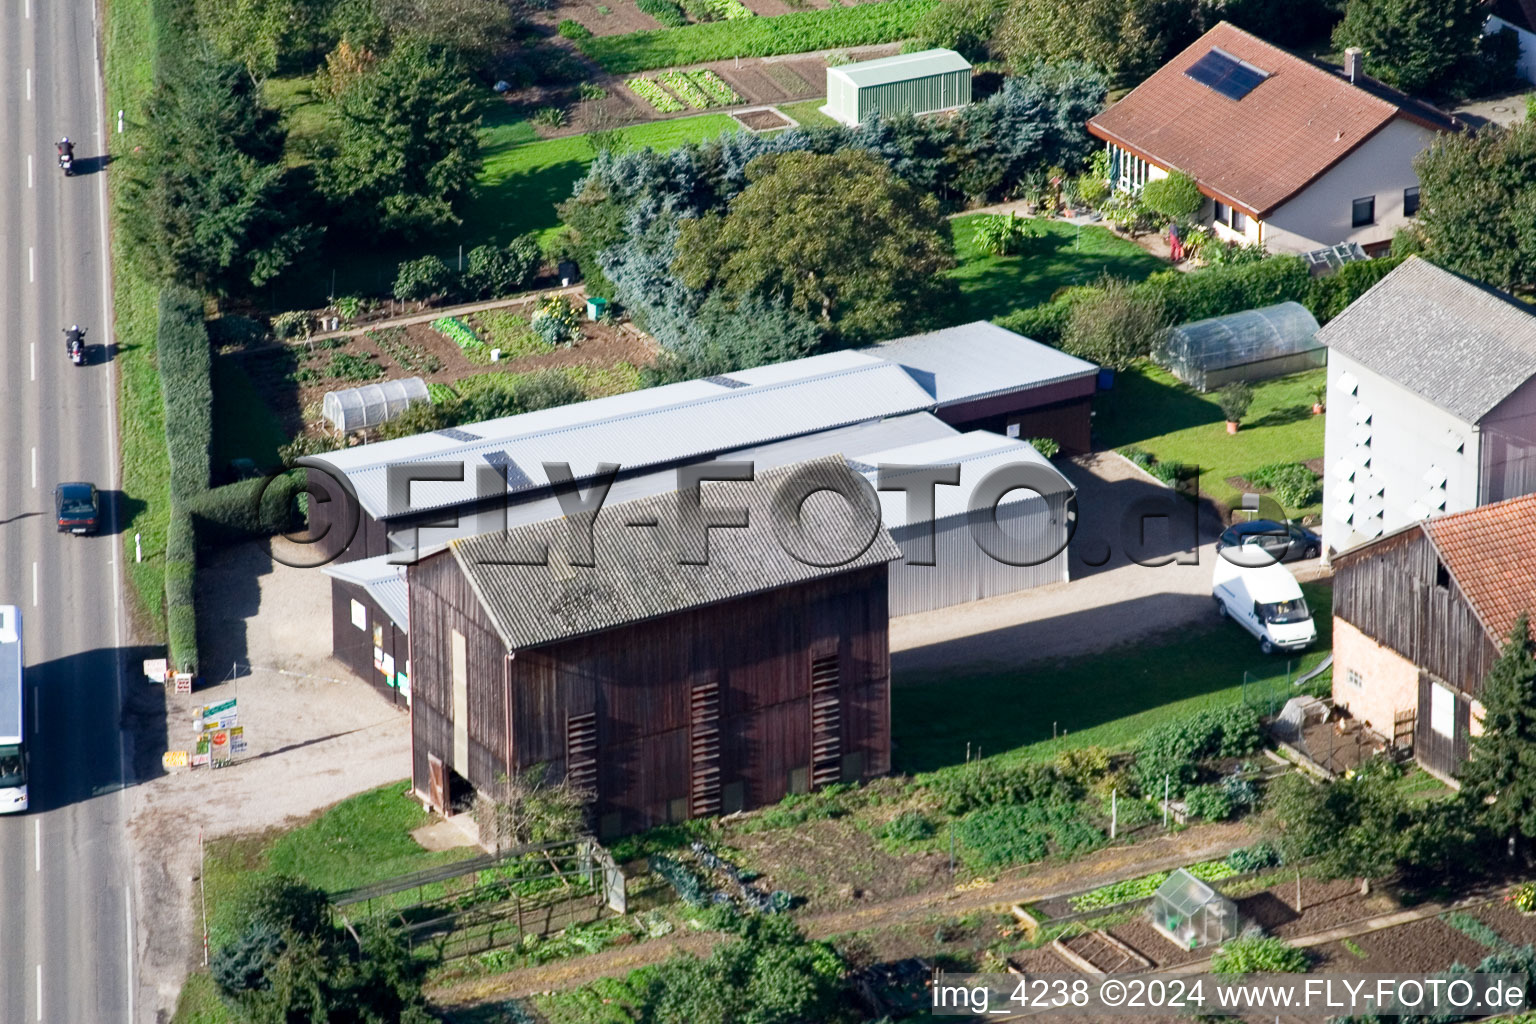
(1442, 710)
(1352, 677)
(1410, 201)
(1442, 577)
(1223, 212)
(1363, 212)
(1239, 222)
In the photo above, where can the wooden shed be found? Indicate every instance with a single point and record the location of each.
(1419, 617)
(925, 82)
(690, 669)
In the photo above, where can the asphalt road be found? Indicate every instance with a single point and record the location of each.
(66, 913)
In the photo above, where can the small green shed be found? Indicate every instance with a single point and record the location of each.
(909, 83)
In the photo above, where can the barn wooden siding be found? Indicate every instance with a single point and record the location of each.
(1441, 754)
(639, 682)
(1389, 592)
(354, 647)
(346, 532)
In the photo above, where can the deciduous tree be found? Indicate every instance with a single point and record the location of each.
(1415, 45)
(837, 237)
(1478, 216)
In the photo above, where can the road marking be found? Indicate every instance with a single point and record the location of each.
(128, 917)
(31, 264)
(34, 360)
(37, 844)
(29, 171)
(29, 10)
(29, 83)
(34, 584)
(39, 991)
(34, 466)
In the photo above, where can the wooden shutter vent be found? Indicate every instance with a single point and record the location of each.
(581, 751)
(826, 723)
(704, 748)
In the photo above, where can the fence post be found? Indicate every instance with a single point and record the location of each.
(1165, 801)
(1114, 813)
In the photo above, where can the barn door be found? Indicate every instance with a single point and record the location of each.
(704, 748)
(437, 784)
(826, 723)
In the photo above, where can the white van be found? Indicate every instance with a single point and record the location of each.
(1266, 601)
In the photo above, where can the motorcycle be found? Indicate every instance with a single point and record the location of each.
(67, 158)
(74, 342)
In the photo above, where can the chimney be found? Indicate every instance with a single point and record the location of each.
(1352, 63)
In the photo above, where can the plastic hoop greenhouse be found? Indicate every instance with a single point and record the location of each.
(1252, 345)
(368, 406)
(1191, 913)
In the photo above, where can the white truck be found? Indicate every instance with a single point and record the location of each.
(1265, 600)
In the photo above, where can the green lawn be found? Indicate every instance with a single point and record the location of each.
(808, 113)
(993, 285)
(1106, 699)
(1149, 408)
(307, 117)
(199, 1002)
(523, 180)
(361, 840)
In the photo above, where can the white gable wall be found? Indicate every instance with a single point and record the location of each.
(1409, 437)
(1320, 215)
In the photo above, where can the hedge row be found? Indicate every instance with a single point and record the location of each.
(796, 32)
(181, 589)
(1217, 291)
(186, 367)
(248, 508)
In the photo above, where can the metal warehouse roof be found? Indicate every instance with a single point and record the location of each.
(10, 674)
(898, 430)
(636, 549)
(384, 582)
(977, 453)
(1461, 345)
(901, 68)
(979, 360)
(651, 427)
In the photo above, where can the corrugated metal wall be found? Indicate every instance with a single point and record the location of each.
(916, 95)
(964, 572)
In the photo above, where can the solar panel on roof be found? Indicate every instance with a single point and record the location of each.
(727, 382)
(457, 434)
(517, 480)
(1226, 74)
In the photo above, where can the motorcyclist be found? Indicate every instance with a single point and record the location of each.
(74, 339)
(66, 148)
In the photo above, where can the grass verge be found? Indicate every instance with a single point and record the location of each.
(1106, 699)
(808, 113)
(796, 32)
(199, 1002)
(1152, 410)
(133, 33)
(991, 285)
(364, 839)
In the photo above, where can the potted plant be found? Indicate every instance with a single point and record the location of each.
(1319, 396)
(1234, 400)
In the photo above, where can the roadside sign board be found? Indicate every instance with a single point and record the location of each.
(154, 669)
(218, 746)
(237, 740)
(199, 760)
(210, 710)
(173, 759)
(183, 682)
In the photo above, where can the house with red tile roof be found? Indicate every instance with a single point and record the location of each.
(1291, 154)
(1419, 617)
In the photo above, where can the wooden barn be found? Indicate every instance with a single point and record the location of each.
(690, 669)
(1419, 617)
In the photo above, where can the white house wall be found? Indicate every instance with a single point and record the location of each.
(1321, 214)
(1383, 469)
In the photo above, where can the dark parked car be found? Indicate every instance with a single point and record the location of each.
(78, 506)
(1263, 541)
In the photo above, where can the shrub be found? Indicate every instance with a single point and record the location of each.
(667, 12)
(986, 783)
(1259, 955)
(1172, 473)
(235, 331)
(556, 321)
(1140, 456)
(1216, 291)
(548, 117)
(496, 270)
(1234, 400)
(1045, 323)
(422, 280)
(1022, 833)
(1332, 293)
(1115, 326)
(1176, 196)
(1046, 446)
(1295, 485)
(591, 91)
(571, 29)
(1261, 855)
(180, 590)
(908, 827)
(259, 507)
(292, 324)
(1082, 766)
(1004, 234)
(1175, 750)
(796, 32)
(1209, 803)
